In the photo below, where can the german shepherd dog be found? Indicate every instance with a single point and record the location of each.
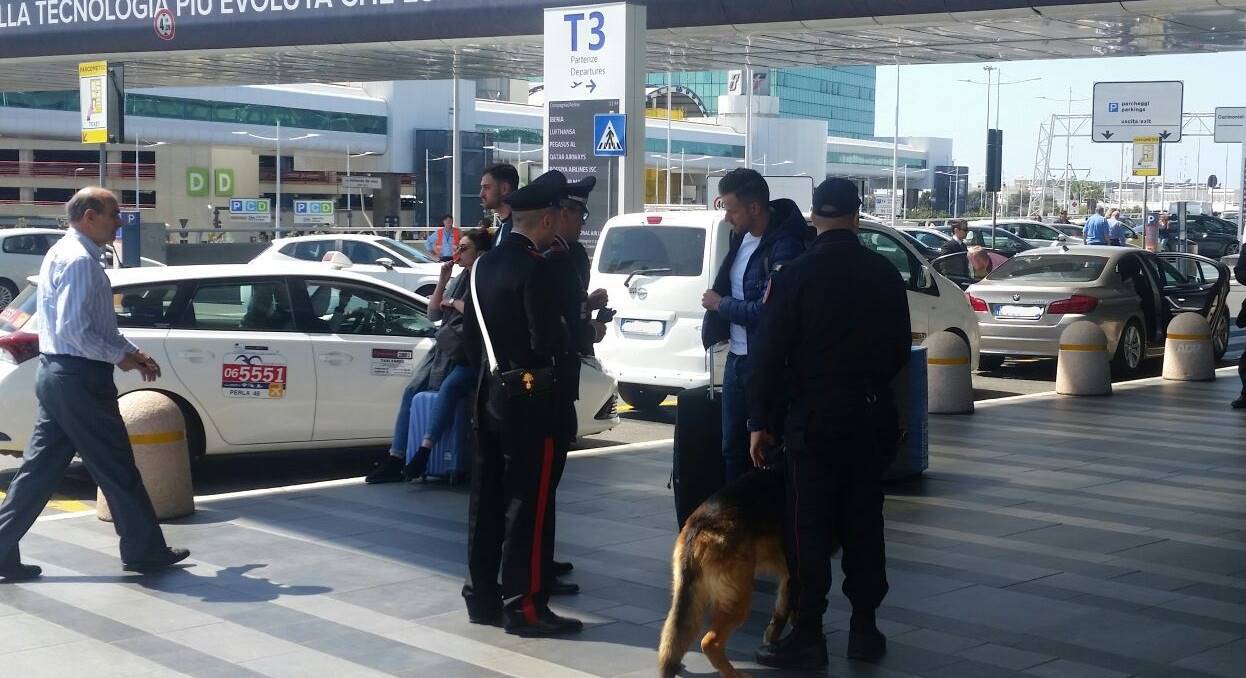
(733, 536)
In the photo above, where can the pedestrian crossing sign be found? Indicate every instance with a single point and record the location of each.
(609, 135)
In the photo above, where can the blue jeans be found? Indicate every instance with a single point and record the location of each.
(454, 388)
(735, 437)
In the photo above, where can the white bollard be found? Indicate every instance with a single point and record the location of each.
(948, 374)
(1188, 351)
(157, 432)
(1083, 367)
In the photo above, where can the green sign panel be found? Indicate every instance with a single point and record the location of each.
(224, 183)
(197, 182)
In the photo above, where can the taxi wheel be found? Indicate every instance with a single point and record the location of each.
(1130, 350)
(990, 363)
(1220, 336)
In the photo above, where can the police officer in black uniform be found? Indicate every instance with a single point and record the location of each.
(510, 518)
(834, 333)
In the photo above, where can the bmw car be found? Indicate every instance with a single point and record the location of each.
(287, 357)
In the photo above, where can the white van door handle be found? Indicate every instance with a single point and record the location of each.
(335, 358)
(195, 355)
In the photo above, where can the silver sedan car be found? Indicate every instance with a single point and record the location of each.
(1024, 305)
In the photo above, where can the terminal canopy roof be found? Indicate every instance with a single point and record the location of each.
(197, 42)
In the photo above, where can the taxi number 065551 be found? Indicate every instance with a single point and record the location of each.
(263, 374)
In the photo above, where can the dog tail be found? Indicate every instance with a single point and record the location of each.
(687, 608)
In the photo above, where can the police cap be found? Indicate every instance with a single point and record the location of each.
(579, 190)
(836, 198)
(543, 191)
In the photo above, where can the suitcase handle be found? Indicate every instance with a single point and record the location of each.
(710, 363)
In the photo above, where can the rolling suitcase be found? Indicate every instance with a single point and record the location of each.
(449, 458)
(697, 469)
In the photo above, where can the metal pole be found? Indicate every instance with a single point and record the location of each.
(1146, 185)
(668, 137)
(988, 70)
(427, 198)
(103, 164)
(348, 215)
(277, 207)
(748, 117)
(1067, 140)
(683, 177)
(895, 148)
(136, 183)
(456, 149)
(904, 198)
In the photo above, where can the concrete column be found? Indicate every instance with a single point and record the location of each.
(386, 200)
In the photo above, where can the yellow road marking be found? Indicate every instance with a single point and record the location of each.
(624, 407)
(157, 438)
(1083, 347)
(66, 505)
(1190, 337)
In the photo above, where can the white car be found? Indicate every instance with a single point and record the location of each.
(21, 254)
(289, 357)
(656, 266)
(387, 259)
(1036, 233)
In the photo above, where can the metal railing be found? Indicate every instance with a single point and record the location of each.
(269, 174)
(118, 170)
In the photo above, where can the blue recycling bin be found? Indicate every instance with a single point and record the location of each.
(909, 390)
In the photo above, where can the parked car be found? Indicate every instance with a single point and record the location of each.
(1071, 230)
(656, 265)
(1215, 237)
(1036, 233)
(998, 239)
(288, 357)
(1024, 305)
(390, 260)
(21, 253)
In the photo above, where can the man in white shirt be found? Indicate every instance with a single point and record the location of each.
(80, 344)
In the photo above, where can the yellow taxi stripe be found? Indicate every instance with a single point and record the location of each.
(1083, 347)
(66, 505)
(157, 438)
(1190, 337)
(947, 361)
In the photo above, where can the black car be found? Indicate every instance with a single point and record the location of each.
(1002, 242)
(1215, 237)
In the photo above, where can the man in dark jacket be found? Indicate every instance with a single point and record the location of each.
(512, 488)
(834, 333)
(765, 236)
(960, 231)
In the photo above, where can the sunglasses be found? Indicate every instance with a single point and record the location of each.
(580, 208)
(464, 248)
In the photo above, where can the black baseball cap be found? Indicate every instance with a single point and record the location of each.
(836, 198)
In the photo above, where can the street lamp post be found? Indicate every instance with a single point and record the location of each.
(277, 207)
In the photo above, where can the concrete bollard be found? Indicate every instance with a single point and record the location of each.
(948, 374)
(1188, 351)
(1083, 367)
(157, 432)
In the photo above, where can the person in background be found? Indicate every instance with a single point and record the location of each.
(77, 397)
(1096, 228)
(446, 370)
(765, 235)
(1063, 218)
(960, 231)
(1117, 233)
(442, 242)
(496, 184)
(980, 262)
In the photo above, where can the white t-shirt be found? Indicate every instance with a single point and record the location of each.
(739, 335)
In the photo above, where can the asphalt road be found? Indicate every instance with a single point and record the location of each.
(215, 475)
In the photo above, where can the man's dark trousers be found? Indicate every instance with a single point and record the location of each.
(735, 436)
(78, 411)
(834, 470)
(508, 514)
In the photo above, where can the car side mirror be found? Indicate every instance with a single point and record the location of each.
(386, 262)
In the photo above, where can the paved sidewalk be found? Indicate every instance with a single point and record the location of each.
(1051, 537)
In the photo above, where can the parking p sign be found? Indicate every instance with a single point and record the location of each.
(314, 212)
(251, 209)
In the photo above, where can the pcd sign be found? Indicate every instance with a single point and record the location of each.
(314, 211)
(251, 209)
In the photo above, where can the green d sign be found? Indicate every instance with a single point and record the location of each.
(197, 182)
(224, 183)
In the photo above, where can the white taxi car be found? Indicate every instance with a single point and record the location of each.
(386, 259)
(293, 356)
(21, 253)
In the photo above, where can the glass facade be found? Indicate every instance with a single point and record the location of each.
(843, 96)
(151, 106)
(835, 157)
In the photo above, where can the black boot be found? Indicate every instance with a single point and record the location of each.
(387, 470)
(544, 623)
(561, 569)
(865, 641)
(418, 466)
(1240, 403)
(803, 648)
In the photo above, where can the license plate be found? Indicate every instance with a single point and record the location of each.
(648, 328)
(1019, 312)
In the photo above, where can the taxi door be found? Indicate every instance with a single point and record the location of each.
(367, 344)
(923, 301)
(237, 352)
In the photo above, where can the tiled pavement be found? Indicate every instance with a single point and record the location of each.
(1051, 537)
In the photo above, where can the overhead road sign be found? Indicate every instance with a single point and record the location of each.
(355, 182)
(1231, 125)
(1146, 156)
(1124, 110)
(308, 212)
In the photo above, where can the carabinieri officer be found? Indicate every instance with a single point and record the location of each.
(519, 333)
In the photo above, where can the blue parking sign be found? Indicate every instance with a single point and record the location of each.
(609, 135)
(235, 206)
(300, 207)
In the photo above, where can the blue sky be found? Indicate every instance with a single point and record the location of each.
(934, 103)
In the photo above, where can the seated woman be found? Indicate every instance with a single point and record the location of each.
(446, 370)
(980, 262)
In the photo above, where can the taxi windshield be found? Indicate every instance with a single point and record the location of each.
(407, 251)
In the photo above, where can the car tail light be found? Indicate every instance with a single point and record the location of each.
(18, 347)
(653, 220)
(1078, 303)
(976, 303)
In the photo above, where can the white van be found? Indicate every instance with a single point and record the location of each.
(656, 266)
